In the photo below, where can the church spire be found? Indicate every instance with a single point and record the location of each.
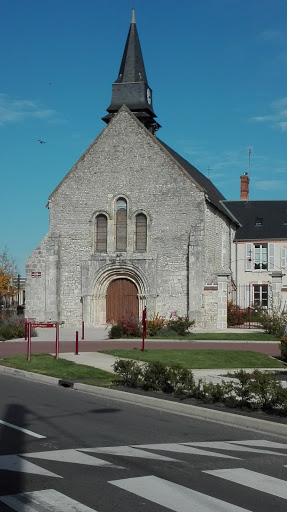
(131, 87)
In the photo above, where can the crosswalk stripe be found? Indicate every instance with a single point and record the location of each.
(261, 442)
(254, 480)
(173, 496)
(181, 448)
(229, 446)
(72, 456)
(15, 463)
(128, 451)
(24, 430)
(47, 500)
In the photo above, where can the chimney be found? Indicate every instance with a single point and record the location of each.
(244, 189)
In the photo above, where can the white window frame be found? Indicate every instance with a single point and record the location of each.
(250, 249)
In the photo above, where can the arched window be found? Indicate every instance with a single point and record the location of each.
(121, 225)
(141, 232)
(101, 233)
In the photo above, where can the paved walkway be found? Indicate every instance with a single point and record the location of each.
(96, 340)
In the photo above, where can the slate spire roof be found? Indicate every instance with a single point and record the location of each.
(132, 67)
(131, 86)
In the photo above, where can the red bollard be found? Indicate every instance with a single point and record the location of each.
(83, 330)
(77, 343)
(28, 341)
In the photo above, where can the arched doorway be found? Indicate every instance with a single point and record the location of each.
(122, 300)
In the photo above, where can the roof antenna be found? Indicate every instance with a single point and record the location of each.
(208, 172)
(250, 149)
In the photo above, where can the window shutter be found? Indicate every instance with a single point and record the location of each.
(270, 256)
(248, 257)
(141, 232)
(283, 258)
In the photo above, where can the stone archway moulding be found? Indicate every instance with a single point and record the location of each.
(102, 282)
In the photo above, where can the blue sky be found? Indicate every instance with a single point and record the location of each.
(217, 68)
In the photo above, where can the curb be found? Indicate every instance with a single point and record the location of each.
(264, 426)
(38, 377)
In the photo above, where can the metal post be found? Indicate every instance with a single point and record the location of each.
(144, 327)
(77, 343)
(83, 330)
(57, 341)
(29, 342)
(249, 304)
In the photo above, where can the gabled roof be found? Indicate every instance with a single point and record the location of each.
(259, 220)
(213, 194)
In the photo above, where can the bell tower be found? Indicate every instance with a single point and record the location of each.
(131, 88)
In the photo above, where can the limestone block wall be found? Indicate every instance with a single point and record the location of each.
(42, 281)
(127, 161)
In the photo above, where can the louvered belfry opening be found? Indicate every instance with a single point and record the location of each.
(121, 225)
(141, 232)
(101, 235)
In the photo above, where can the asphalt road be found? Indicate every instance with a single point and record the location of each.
(75, 451)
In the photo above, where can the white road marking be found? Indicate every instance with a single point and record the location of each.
(72, 456)
(254, 480)
(128, 451)
(16, 463)
(180, 448)
(24, 430)
(173, 496)
(261, 442)
(225, 445)
(48, 500)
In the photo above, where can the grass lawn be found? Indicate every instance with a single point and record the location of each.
(46, 364)
(201, 358)
(221, 336)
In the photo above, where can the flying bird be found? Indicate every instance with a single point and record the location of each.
(41, 141)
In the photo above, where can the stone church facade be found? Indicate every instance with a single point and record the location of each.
(132, 224)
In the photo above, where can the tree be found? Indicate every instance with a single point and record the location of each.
(8, 271)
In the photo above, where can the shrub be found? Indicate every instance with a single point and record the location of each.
(13, 327)
(235, 315)
(283, 347)
(154, 324)
(116, 331)
(274, 320)
(180, 324)
(268, 391)
(129, 371)
(125, 328)
(257, 391)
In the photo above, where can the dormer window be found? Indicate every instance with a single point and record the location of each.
(259, 221)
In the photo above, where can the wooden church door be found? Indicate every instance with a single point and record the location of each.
(122, 300)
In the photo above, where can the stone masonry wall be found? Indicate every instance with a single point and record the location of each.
(127, 161)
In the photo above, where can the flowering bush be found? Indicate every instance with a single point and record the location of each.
(180, 324)
(154, 324)
(126, 327)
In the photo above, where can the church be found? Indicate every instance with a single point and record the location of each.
(132, 224)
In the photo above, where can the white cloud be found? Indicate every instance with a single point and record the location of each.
(270, 184)
(273, 36)
(277, 118)
(17, 110)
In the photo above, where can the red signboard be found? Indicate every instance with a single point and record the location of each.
(43, 325)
